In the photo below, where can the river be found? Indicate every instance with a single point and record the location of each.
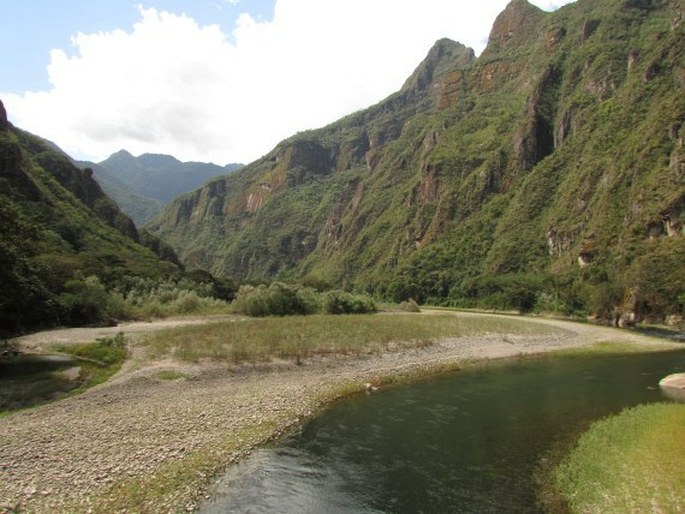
(471, 441)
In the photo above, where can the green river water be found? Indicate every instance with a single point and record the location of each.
(471, 441)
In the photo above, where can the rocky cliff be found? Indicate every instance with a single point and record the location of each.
(548, 172)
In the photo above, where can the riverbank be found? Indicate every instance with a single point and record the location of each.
(630, 462)
(150, 439)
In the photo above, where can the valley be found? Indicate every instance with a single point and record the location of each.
(192, 313)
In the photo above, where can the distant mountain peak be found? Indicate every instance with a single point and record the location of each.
(158, 159)
(123, 153)
(444, 56)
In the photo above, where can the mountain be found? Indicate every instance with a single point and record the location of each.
(140, 208)
(142, 185)
(57, 228)
(547, 173)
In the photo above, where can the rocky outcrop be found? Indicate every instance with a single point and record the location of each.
(4, 124)
(536, 139)
(444, 57)
(517, 25)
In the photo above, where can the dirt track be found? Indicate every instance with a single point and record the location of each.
(130, 330)
(137, 430)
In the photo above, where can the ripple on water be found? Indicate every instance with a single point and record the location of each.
(466, 442)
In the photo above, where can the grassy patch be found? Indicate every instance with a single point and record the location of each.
(631, 462)
(169, 374)
(612, 348)
(257, 340)
(99, 360)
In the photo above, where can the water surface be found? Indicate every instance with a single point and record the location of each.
(465, 442)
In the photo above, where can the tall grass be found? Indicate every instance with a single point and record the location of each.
(299, 337)
(632, 462)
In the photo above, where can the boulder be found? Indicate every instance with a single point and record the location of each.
(673, 386)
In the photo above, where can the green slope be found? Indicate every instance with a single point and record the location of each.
(57, 226)
(548, 173)
(140, 208)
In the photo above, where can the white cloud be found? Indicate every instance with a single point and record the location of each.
(173, 86)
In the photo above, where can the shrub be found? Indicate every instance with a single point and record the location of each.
(135, 297)
(410, 306)
(84, 301)
(278, 299)
(341, 302)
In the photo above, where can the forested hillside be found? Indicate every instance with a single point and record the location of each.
(547, 173)
(62, 240)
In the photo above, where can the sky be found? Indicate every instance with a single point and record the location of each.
(214, 80)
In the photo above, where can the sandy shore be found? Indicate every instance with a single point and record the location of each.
(151, 445)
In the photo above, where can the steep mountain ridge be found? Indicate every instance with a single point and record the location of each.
(142, 185)
(548, 171)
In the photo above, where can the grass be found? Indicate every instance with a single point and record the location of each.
(631, 462)
(99, 360)
(169, 374)
(613, 348)
(300, 337)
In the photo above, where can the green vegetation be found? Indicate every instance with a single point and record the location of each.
(612, 348)
(69, 256)
(279, 299)
(98, 361)
(631, 462)
(300, 337)
(544, 176)
(169, 375)
(409, 306)
(34, 379)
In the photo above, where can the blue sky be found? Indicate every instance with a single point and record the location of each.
(213, 80)
(30, 28)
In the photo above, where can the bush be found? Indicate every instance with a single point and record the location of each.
(84, 301)
(410, 306)
(341, 302)
(278, 299)
(135, 297)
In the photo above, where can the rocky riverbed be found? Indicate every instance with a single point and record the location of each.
(150, 439)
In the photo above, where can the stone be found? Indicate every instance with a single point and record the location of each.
(673, 386)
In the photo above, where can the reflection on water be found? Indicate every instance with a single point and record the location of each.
(27, 380)
(27, 364)
(467, 442)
